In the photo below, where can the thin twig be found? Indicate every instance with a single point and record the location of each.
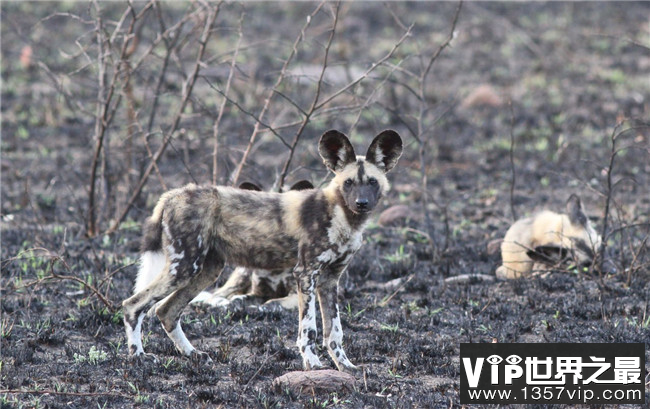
(215, 129)
(104, 115)
(513, 178)
(54, 258)
(608, 196)
(386, 300)
(52, 392)
(424, 107)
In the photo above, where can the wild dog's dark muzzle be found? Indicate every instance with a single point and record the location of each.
(366, 198)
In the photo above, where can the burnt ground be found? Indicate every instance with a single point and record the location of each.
(554, 78)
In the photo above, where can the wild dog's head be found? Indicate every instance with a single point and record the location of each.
(584, 241)
(360, 180)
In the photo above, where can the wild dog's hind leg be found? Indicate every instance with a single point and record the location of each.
(332, 331)
(136, 307)
(169, 311)
(307, 317)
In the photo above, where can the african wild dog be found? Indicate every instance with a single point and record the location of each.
(195, 230)
(548, 239)
(254, 285)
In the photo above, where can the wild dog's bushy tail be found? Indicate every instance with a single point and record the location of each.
(152, 258)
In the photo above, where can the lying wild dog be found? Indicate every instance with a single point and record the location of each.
(547, 240)
(195, 230)
(271, 287)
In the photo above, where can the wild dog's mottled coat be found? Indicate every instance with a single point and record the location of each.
(199, 229)
(254, 285)
(546, 239)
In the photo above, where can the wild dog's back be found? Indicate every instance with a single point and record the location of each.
(248, 227)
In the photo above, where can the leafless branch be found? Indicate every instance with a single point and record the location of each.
(312, 108)
(513, 178)
(103, 113)
(187, 92)
(267, 101)
(215, 129)
(608, 194)
(363, 76)
(56, 258)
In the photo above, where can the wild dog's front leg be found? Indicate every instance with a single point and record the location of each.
(332, 331)
(307, 318)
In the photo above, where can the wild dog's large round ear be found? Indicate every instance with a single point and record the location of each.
(575, 211)
(302, 185)
(385, 150)
(250, 186)
(336, 150)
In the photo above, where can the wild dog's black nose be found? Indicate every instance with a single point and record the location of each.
(362, 204)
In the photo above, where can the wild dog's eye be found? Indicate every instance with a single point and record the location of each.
(372, 181)
(348, 182)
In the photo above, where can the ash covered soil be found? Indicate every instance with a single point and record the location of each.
(555, 78)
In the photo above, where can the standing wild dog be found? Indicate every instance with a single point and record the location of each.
(254, 285)
(548, 239)
(195, 230)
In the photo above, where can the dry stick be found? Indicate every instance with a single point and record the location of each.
(608, 197)
(266, 359)
(420, 123)
(103, 117)
(215, 129)
(267, 102)
(52, 392)
(513, 179)
(308, 114)
(386, 300)
(188, 86)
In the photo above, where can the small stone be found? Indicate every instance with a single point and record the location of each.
(324, 380)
